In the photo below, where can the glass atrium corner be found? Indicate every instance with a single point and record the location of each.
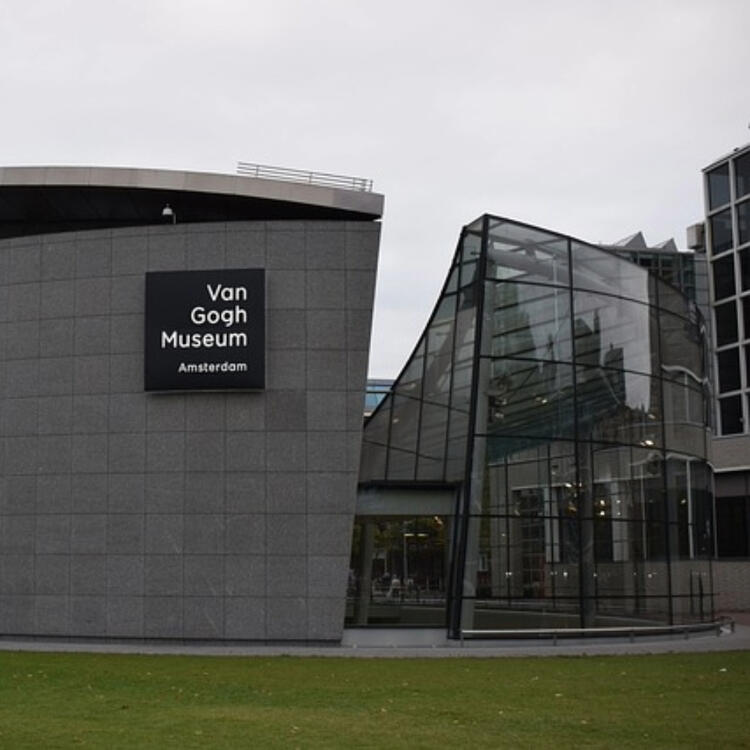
(540, 462)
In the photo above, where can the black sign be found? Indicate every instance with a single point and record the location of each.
(205, 330)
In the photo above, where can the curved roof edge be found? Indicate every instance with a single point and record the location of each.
(357, 202)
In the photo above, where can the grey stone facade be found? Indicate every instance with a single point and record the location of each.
(126, 514)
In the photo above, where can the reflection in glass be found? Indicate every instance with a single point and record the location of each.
(723, 277)
(745, 270)
(721, 232)
(530, 321)
(725, 316)
(729, 370)
(613, 331)
(575, 434)
(681, 345)
(743, 222)
(730, 412)
(526, 254)
(398, 572)
(718, 186)
(742, 174)
(599, 271)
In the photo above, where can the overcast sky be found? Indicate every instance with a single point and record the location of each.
(590, 118)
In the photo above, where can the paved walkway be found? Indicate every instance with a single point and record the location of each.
(697, 643)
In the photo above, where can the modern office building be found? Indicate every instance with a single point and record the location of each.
(541, 460)
(727, 229)
(182, 367)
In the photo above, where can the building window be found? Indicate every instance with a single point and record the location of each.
(724, 277)
(745, 268)
(742, 174)
(729, 370)
(721, 232)
(726, 323)
(743, 222)
(718, 186)
(730, 409)
(746, 316)
(732, 526)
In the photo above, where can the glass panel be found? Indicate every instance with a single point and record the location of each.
(702, 484)
(432, 436)
(443, 316)
(437, 378)
(667, 269)
(745, 268)
(672, 300)
(729, 370)
(718, 186)
(468, 273)
(615, 406)
(684, 416)
(692, 591)
(730, 410)
(374, 442)
(526, 254)
(530, 321)
(468, 255)
(437, 371)
(723, 277)
(681, 346)
(601, 271)
(455, 464)
(742, 174)
(509, 582)
(461, 396)
(376, 391)
(524, 402)
(721, 232)
(403, 438)
(726, 323)
(545, 538)
(452, 283)
(372, 462)
(743, 222)
(614, 332)
(399, 570)
(410, 381)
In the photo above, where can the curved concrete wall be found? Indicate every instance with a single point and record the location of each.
(127, 514)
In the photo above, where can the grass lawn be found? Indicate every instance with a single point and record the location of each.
(112, 701)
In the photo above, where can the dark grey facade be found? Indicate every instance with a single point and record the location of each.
(221, 516)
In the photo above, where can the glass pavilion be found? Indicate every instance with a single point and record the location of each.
(540, 462)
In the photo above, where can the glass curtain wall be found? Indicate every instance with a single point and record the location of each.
(563, 390)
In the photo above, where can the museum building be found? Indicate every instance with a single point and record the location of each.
(183, 371)
(540, 462)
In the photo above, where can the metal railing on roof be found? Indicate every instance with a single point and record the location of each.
(324, 179)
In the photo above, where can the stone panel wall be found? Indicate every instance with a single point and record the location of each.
(126, 514)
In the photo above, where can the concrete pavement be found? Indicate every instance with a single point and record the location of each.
(696, 643)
